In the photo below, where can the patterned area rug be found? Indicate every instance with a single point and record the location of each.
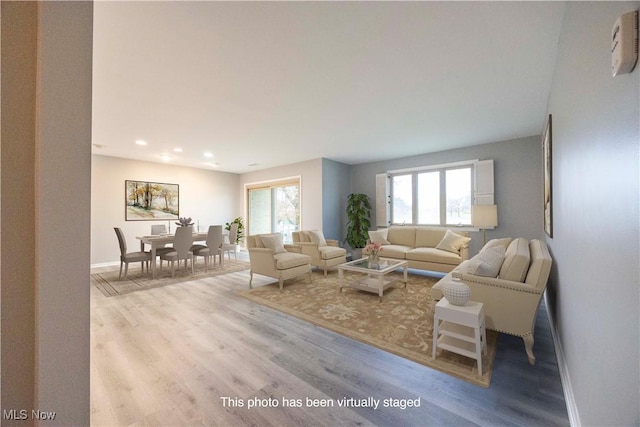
(110, 285)
(401, 324)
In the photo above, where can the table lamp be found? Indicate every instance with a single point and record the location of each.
(484, 216)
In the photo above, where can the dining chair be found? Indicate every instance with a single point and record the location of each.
(231, 246)
(157, 229)
(212, 248)
(181, 250)
(127, 257)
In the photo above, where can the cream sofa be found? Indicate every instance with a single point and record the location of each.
(512, 295)
(324, 253)
(424, 248)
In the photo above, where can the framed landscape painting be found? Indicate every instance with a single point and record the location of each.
(548, 196)
(151, 201)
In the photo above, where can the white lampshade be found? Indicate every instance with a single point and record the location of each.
(484, 216)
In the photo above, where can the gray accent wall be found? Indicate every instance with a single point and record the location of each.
(594, 289)
(517, 182)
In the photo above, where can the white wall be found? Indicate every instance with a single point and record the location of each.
(594, 286)
(208, 197)
(310, 174)
(46, 151)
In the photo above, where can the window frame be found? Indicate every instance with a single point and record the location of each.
(272, 185)
(442, 170)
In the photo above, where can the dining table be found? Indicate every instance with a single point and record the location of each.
(160, 240)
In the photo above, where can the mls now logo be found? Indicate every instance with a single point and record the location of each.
(23, 414)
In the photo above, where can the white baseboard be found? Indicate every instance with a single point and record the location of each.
(572, 409)
(105, 264)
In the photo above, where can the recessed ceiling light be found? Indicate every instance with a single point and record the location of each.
(178, 150)
(208, 154)
(141, 142)
(165, 157)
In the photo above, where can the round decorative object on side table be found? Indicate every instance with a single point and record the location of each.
(456, 292)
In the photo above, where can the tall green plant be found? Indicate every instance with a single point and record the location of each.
(358, 220)
(239, 221)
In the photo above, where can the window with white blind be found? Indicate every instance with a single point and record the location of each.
(274, 207)
(439, 195)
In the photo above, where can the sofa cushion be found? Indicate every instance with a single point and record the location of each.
(402, 235)
(428, 237)
(286, 260)
(395, 251)
(452, 242)
(317, 236)
(516, 261)
(488, 262)
(330, 252)
(540, 265)
(432, 255)
(273, 242)
(379, 236)
(303, 236)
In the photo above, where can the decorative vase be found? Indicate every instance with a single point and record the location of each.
(456, 292)
(373, 261)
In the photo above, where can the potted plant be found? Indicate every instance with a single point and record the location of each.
(240, 235)
(358, 222)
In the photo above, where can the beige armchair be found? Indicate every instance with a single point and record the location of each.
(510, 300)
(324, 253)
(269, 257)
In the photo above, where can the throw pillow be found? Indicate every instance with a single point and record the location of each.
(498, 242)
(379, 236)
(317, 236)
(469, 266)
(489, 261)
(452, 242)
(273, 242)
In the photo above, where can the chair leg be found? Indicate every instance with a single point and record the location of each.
(120, 275)
(281, 283)
(325, 271)
(173, 268)
(528, 346)
(250, 278)
(126, 269)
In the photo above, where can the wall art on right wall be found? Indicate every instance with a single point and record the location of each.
(546, 162)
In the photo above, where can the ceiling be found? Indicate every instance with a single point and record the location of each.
(263, 84)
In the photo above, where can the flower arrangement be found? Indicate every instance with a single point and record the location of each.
(373, 248)
(184, 222)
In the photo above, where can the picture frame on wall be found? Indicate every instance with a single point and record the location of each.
(547, 174)
(151, 201)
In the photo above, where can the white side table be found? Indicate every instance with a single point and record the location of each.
(460, 329)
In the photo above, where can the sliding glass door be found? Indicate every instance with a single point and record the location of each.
(274, 208)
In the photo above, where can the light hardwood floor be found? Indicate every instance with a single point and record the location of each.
(168, 357)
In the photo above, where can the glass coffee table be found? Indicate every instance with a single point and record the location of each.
(376, 279)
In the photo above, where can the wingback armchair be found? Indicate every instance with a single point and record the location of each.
(324, 253)
(269, 257)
